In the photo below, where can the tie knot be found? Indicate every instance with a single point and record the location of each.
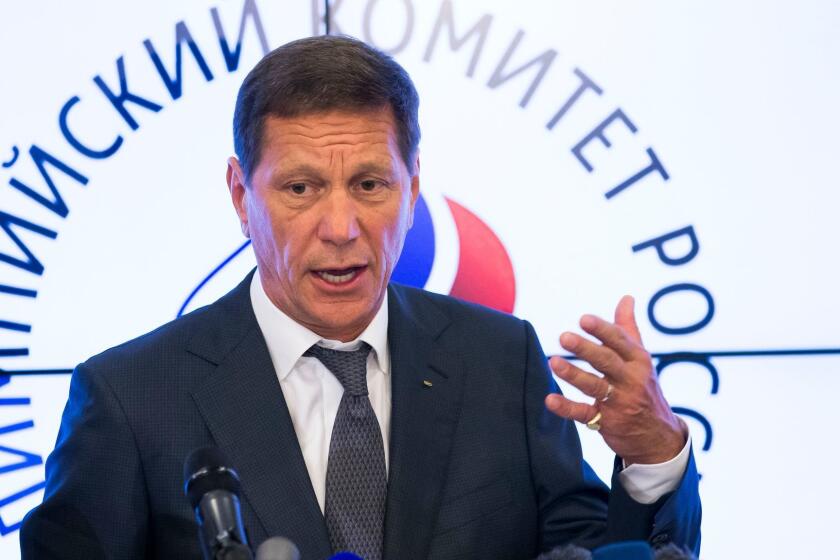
(348, 366)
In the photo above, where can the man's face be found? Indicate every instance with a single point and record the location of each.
(327, 209)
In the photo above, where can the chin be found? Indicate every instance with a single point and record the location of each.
(343, 317)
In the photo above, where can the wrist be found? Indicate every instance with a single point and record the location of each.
(669, 446)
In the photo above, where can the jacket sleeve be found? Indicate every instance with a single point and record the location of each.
(95, 503)
(675, 517)
(575, 506)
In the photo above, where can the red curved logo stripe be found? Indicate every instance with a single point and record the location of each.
(485, 273)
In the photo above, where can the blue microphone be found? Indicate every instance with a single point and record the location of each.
(345, 556)
(629, 550)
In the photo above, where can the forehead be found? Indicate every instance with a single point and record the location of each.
(371, 134)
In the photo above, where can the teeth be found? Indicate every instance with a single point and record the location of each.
(337, 279)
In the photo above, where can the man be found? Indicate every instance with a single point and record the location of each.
(380, 419)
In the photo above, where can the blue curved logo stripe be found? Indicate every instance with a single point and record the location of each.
(415, 264)
(210, 276)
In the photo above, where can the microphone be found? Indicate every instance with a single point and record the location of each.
(566, 552)
(345, 556)
(278, 548)
(627, 550)
(213, 490)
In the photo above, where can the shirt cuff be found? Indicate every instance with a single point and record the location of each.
(648, 483)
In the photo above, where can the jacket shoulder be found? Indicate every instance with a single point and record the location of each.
(163, 339)
(462, 314)
(205, 334)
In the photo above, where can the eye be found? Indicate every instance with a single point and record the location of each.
(298, 188)
(369, 185)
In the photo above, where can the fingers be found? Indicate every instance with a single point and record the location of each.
(602, 358)
(612, 336)
(561, 406)
(625, 317)
(587, 383)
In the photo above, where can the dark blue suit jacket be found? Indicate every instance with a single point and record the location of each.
(478, 467)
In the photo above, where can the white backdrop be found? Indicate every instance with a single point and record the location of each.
(736, 101)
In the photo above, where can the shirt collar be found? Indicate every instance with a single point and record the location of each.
(287, 340)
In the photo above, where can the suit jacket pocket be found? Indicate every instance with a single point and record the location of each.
(473, 505)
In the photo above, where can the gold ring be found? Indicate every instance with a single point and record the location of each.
(606, 397)
(595, 423)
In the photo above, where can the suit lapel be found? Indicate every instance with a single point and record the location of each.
(423, 421)
(244, 409)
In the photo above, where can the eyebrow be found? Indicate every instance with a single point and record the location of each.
(294, 170)
(304, 169)
(374, 166)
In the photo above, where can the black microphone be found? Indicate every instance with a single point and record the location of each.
(213, 490)
(278, 548)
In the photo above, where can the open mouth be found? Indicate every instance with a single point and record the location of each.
(337, 276)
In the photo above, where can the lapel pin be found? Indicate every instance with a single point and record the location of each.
(427, 383)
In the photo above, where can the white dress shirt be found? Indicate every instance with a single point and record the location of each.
(313, 393)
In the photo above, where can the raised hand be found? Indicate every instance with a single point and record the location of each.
(629, 411)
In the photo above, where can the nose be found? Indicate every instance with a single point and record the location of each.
(339, 222)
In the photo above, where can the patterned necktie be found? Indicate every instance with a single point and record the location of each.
(356, 481)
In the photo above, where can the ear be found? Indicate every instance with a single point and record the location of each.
(415, 190)
(238, 193)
